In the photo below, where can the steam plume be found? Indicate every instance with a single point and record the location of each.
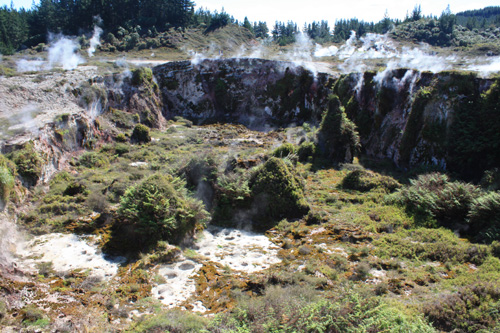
(94, 41)
(64, 53)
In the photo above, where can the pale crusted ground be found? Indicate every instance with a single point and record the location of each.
(30, 101)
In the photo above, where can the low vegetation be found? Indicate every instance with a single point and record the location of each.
(356, 245)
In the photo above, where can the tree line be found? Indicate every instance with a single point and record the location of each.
(27, 28)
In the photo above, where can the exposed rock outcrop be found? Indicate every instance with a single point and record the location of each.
(254, 92)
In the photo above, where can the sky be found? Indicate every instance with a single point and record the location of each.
(302, 11)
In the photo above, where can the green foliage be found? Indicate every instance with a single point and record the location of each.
(6, 185)
(320, 32)
(277, 192)
(141, 134)
(32, 314)
(92, 159)
(14, 29)
(172, 321)
(364, 180)
(473, 142)
(415, 123)
(484, 217)
(219, 20)
(157, 211)
(284, 34)
(470, 309)
(202, 168)
(429, 244)
(75, 188)
(28, 162)
(141, 76)
(231, 196)
(260, 29)
(439, 32)
(298, 309)
(338, 139)
(434, 196)
(121, 137)
(123, 119)
(306, 150)
(284, 150)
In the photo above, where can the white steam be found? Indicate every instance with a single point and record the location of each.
(94, 41)
(25, 65)
(487, 68)
(321, 51)
(64, 53)
(10, 240)
(24, 120)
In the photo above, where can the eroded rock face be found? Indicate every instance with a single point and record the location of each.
(415, 118)
(254, 92)
(412, 118)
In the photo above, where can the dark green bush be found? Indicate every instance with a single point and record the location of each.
(141, 76)
(231, 195)
(93, 160)
(141, 134)
(6, 185)
(277, 192)
(338, 138)
(284, 150)
(364, 180)
(28, 162)
(75, 188)
(306, 149)
(434, 196)
(121, 149)
(157, 211)
(484, 217)
(121, 138)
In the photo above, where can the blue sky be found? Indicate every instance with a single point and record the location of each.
(302, 11)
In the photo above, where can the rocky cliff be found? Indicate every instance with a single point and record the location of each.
(446, 120)
(254, 92)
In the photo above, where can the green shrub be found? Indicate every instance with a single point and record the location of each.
(471, 309)
(364, 180)
(123, 119)
(172, 321)
(121, 138)
(429, 244)
(93, 160)
(28, 162)
(121, 149)
(484, 217)
(97, 202)
(306, 149)
(202, 168)
(433, 196)
(6, 185)
(141, 134)
(75, 188)
(277, 192)
(157, 211)
(231, 195)
(284, 150)
(338, 138)
(298, 309)
(141, 76)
